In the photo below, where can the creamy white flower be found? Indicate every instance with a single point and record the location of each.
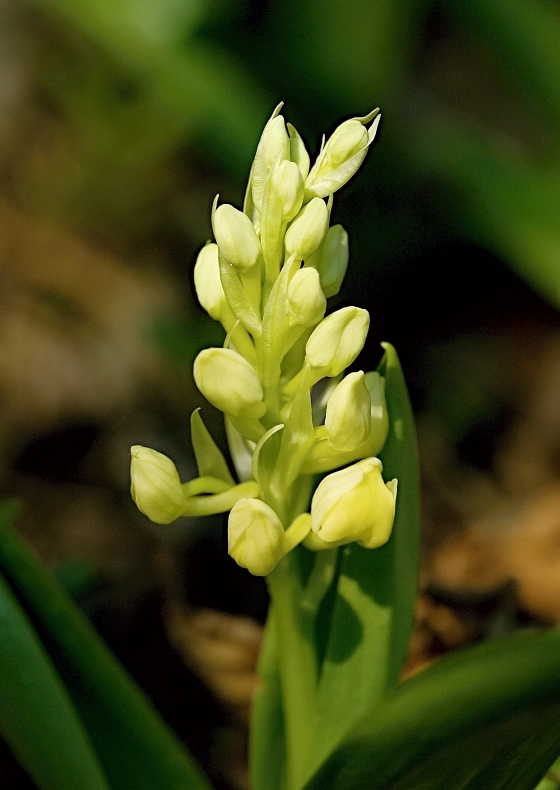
(255, 536)
(354, 504)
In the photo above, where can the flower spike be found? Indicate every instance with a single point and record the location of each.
(266, 279)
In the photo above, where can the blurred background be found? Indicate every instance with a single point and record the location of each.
(119, 122)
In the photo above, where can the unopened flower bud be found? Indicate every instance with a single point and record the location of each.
(290, 189)
(229, 382)
(155, 485)
(337, 341)
(207, 282)
(346, 140)
(308, 229)
(334, 260)
(355, 504)
(342, 156)
(255, 536)
(306, 300)
(348, 417)
(274, 143)
(277, 142)
(236, 237)
(379, 414)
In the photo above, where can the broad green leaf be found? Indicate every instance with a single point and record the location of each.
(552, 779)
(209, 458)
(134, 746)
(485, 718)
(37, 718)
(374, 606)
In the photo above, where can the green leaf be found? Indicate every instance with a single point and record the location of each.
(400, 460)
(486, 718)
(374, 606)
(134, 746)
(552, 779)
(209, 458)
(37, 718)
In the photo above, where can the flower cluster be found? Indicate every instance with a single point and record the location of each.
(266, 279)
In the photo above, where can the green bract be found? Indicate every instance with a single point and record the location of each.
(266, 279)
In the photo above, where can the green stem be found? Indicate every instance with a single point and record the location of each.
(220, 503)
(240, 338)
(205, 485)
(297, 666)
(319, 581)
(249, 427)
(251, 281)
(297, 531)
(272, 401)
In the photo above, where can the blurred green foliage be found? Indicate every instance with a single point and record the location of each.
(469, 89)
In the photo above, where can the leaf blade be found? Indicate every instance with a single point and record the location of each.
(486, 718)
(37, 718)
(373, 612)
(135, 747)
